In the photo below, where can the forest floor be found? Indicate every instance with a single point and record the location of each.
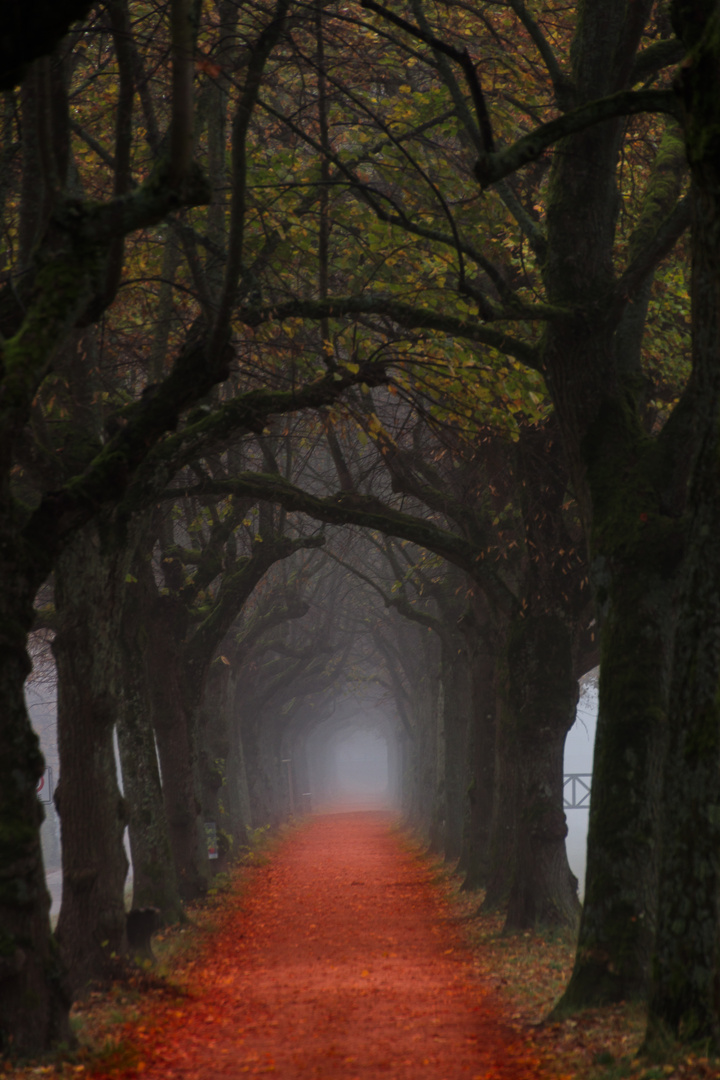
(346, 954)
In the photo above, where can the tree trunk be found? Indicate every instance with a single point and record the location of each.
(425, 696)
(476, 841)
(685, 998)
(34, 1001)
(178, 764)
(436, 771)
(154, 879)
(259, 777)
(542, 696)
(617, 924)
(457, 704)
(630, 494)
(504, 821)
(88, 595)
(215, 741)
(237, 782)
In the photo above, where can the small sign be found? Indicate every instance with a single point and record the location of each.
(45, 786)
(212, 843)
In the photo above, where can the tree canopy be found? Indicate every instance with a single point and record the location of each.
(272, 272)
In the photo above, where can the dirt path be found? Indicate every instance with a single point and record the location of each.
(339, 962)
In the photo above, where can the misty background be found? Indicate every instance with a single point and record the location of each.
(349, 768)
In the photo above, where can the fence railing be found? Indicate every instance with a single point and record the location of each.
(576, 791)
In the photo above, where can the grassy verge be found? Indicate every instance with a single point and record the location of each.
(98, 1020)
(528, 971)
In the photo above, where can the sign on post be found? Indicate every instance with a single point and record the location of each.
(45, 787)
(212, 842)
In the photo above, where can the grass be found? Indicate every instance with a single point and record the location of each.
(529, 971)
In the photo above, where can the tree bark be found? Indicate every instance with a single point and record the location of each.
(30, 966)
(630, 492)
(502, 853)
(89, 580)
(618, 918)
(457, 706)
(173, 716)
(154, 879)
(684, 998)
(475, 860)
(424, 699)
(542, 694)
(219, 766)
(261, 773)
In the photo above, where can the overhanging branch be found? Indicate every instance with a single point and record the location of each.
(410, 317)
(493, 167)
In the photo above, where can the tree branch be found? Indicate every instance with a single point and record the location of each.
(493, 167)
(364, 510)
(659, 55)
(406, 315)
(562, 84)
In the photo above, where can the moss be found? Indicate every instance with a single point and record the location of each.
(663, 189)
(8, 944)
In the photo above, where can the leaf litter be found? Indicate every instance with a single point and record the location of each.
(349, 955)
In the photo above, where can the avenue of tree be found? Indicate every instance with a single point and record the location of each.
(363, 357)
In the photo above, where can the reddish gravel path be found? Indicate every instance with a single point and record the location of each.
(338, 962)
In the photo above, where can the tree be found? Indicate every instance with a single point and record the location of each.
(65, 277)
(683, 999)
(594, 279)
(69, 270)
(539, 608)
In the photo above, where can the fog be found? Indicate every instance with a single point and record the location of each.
(579, 759)
(352, 764)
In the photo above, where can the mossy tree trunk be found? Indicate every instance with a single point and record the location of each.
(684, 998)
(89, 583)
(541, 696)
(630, 490)
(457, 707)
(503, 838)
(34, 1000)
(173, 717)
(154, 878)
(481, 786)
